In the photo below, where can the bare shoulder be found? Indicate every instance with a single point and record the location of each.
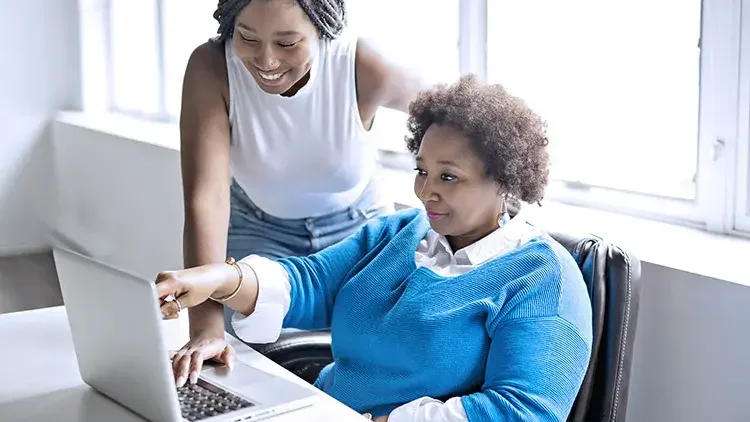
(204, 116)
(209, 56)
(207, 68)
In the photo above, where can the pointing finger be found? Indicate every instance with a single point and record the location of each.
(171, 309)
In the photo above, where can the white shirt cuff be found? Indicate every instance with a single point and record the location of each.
(264, 324)
(427, 409)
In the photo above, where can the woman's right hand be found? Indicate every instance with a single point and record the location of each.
(188, 361)
(184, 289)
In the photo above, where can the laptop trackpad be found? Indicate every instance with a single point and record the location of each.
(258, 386)
(242, 375)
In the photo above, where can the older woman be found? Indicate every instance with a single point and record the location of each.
(456, 312)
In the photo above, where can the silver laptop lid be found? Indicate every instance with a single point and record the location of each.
(114, 319)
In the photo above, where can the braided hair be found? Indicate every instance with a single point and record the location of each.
(328, 16)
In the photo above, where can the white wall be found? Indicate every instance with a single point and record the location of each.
(39, 73)
(692, 353)
(122, 203)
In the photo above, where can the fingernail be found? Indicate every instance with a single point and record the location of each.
(193, 377)
(180, 381)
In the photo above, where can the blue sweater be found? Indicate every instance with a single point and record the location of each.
(512, 337)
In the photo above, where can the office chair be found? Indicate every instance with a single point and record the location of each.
(612, 277)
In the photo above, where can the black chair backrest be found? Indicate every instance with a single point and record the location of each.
(613, 279)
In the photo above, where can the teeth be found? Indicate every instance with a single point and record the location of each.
(270, 76)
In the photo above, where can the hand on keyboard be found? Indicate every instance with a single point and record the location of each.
(188, 361)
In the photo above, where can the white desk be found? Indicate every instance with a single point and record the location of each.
(39, 379)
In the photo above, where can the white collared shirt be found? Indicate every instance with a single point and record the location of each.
(433, 252)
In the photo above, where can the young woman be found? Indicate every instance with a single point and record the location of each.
(277, 107)
(452, 313)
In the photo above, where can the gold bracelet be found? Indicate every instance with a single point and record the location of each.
(233, 263)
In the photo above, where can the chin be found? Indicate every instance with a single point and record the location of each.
(440, 227)
(273, 89)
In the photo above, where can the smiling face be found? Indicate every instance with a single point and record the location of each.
(277, 43)
(462, 203)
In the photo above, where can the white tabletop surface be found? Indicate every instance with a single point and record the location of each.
(39, 379)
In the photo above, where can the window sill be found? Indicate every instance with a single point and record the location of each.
(683, 248)
(161, 134)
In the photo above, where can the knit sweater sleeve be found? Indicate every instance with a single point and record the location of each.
(316, 279)
(535, 368)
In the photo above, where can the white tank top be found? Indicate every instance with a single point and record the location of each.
(306, 155)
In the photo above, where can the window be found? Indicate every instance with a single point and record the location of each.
(647, 101)
(151, 41)
(618, 91)
(627, 101)
(133, 35)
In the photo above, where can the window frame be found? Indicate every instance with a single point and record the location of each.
(742, 187)
(161, 65)
(719, 115)
(722, 203)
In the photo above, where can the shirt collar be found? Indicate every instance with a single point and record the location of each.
(516, 232)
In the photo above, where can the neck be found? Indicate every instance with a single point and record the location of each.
(297, 85)
(461, 241)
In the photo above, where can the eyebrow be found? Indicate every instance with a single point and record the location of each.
(441, 162)
(279, 33)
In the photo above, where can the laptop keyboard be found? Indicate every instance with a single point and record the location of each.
(204, 400)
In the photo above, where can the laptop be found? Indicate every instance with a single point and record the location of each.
(115, 322)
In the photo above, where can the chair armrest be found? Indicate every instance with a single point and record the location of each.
(304, 353)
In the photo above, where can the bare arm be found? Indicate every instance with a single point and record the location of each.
(204, 132)
(381, 83)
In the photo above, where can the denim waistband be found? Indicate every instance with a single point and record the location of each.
(366, 206)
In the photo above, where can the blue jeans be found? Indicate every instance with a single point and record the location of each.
(252, 231)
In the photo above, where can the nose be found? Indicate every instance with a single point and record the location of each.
(266, 61)
(425, 190)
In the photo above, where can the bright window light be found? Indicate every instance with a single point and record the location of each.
(134, 56)
(617, 83)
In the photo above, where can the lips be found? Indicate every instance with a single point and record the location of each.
(271, 78)
(434, 215)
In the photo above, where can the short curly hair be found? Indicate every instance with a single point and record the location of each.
(506, 134)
